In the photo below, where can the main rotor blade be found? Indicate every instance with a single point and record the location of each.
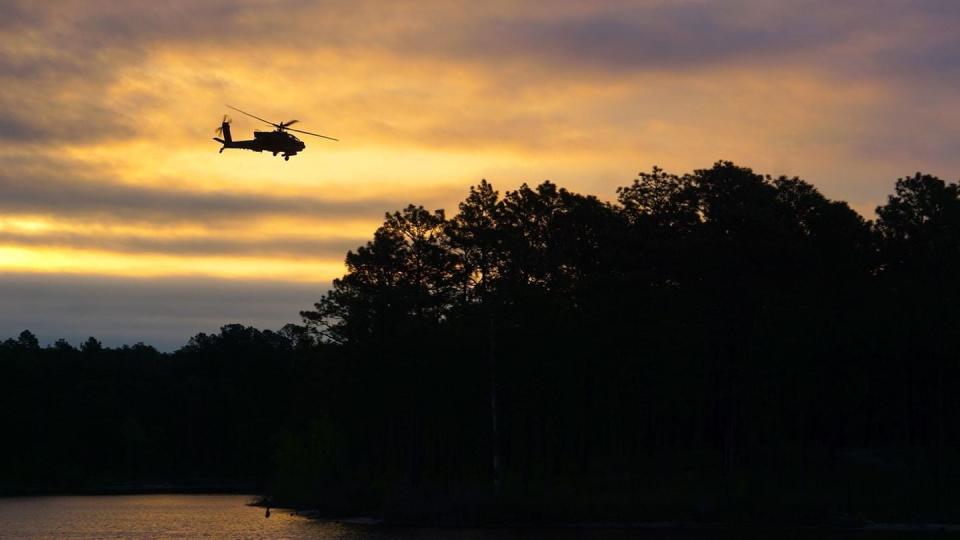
(290, 123)
(314, 134)
(252, 116)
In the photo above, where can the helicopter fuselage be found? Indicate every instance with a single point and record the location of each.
(275, 141)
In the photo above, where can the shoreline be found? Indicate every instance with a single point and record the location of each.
(680, 526)
(932, 528)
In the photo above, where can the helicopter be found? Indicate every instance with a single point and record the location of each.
(276, 141)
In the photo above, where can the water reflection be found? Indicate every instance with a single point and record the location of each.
(228, 516)
(150, 516)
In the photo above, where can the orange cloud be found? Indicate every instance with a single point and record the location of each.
(107, 167)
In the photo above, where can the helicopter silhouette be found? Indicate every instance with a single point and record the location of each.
(276, 141)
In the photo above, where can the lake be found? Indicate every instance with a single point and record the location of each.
(228, 516)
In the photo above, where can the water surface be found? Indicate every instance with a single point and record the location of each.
(150, 516)
(229, 516)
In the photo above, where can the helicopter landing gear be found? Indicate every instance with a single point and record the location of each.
(286, 157)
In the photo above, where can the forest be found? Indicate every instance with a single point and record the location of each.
(715, 346)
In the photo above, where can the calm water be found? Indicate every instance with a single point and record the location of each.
(228, 516)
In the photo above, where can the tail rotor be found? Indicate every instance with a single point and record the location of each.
(224, 131)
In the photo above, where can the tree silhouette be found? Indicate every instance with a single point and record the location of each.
(717, 345)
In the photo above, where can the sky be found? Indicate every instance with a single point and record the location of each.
(119, 219)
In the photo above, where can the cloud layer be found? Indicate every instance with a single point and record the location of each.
(107, 168)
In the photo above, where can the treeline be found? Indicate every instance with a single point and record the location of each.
(713, 345)
(98, 419)
(715, 342)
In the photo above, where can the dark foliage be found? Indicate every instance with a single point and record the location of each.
(716, 345)
(97, 418)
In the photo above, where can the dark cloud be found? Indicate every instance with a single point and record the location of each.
(15, 14)
(19, 130)
(44, 191)
(609, 35)
(161, 312)
(57, 64)
(77, 123)
(135, 23)
(675, 36)
(84, 46)
(895, 41)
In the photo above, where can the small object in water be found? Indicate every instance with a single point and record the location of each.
(268, 513)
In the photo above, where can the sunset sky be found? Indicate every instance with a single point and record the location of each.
(119, 219)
